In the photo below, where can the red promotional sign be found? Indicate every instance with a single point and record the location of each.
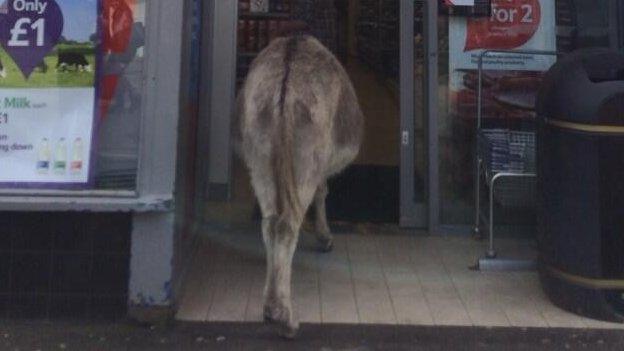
(117, 20)
(512, 24)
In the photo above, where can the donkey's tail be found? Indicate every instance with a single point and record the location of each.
(288, 203)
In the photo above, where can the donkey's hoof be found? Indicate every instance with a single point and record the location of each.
(269, 315)
(288, 330)
(268, 319)
(326, 245)
(276, 314)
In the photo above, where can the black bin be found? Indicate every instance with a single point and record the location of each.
(580, 165)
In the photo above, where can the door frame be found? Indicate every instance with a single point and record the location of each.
(219, 47)
(217, 96)
(415, 214)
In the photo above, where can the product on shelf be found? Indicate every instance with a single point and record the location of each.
(252, 35)
(263, 34)
(259, 6)
(260, 21)
(378, 35)
(273, 30)
(242, 35)
(244, 6)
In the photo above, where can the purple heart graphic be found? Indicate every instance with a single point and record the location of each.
(29, 30)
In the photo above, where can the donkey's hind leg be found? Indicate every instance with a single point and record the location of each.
(323, 234)
(282, 235)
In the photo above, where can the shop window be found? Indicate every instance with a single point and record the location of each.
(71, 81)
(564, 26)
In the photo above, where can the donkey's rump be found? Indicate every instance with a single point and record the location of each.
(315, 90)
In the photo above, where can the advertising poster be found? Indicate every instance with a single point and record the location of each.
(510, 81)
(48, 76)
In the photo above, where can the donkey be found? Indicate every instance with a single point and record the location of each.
(298, 123)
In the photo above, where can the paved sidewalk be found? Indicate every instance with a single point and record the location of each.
(255, 336)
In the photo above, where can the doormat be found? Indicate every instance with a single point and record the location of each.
(364, 193)
(313, 337)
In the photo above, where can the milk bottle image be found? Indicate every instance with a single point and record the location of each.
(60, 157)
(43, 160)
(76, 161)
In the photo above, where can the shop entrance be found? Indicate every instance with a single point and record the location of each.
(375, 274)
(367, 38)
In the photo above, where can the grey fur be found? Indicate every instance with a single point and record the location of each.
(298, 123)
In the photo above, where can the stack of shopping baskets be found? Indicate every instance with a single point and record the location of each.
(507, 162)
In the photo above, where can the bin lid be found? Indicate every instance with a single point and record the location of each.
(586, 86)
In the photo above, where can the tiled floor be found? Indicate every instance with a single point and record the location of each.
(381, 277)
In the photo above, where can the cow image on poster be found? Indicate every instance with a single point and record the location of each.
(72, 59)
(3, 73)
(298, 122)
(42, 66)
